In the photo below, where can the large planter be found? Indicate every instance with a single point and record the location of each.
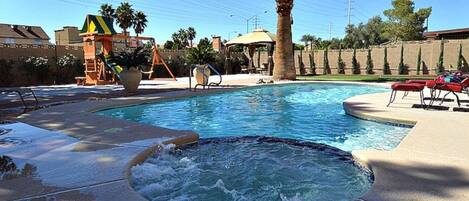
(131, 79)
(201, 74)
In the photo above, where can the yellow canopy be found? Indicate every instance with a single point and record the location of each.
(255, 37)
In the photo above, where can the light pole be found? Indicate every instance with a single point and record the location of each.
(248, 19)
(229, 34)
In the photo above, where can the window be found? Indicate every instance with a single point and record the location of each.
(10, 41)
(37, 41)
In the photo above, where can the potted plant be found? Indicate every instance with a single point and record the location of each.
(131, 62)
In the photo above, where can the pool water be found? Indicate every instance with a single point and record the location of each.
(251, 168)
(309, 112)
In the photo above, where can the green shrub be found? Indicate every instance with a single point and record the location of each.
(355, 64)
(312, 63)
(460, 58)
(5, 76)
(202, 54)
(386, 68)
(37, 69)
(327, 68)
(419, 61)
(369, 63)
(402, 68)
(440, 66)
(340, 63)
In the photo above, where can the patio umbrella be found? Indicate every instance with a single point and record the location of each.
(254, 39)
(259, 36)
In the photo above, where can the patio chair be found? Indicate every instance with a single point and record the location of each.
(450, 87)
(22, 93)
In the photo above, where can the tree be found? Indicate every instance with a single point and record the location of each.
(440, 65)
(355, 64)
(402, 67)
(284, 61)
(140, 22)
(460, 58)
(168, 45)
(386, 68)
(191, 33)
(308, 40)
(125, 16)
(205, 42)
(365, 35)
(403, 22)
(202, 54)
(180, 39)
(419, 61)
(327, 68)
(369, 63)
(340, 63)
(312, 64)
(107, 11)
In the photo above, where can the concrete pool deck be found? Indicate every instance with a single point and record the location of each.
(431, 163)
(78, 155)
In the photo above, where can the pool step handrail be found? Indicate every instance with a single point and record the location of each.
(193, 66)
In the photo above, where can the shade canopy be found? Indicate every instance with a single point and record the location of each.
(98, 25)
(259, 36)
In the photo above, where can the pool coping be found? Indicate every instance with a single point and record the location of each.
(87, 108)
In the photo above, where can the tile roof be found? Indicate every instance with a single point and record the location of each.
(22, 31)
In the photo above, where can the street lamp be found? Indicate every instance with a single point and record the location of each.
(248, 19)
(229, 34)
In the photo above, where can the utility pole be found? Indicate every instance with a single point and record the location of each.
(349, 12)
(256, 22)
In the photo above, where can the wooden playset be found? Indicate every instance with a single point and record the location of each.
(99, 37)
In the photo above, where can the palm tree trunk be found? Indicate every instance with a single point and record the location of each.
(284, 59)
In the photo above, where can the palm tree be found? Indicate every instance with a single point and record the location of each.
(191, 33)
(125, 16)
(107, 11)
(284, 61)
(308, 39)
(140, 22)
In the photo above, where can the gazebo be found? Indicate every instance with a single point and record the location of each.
(253, 40)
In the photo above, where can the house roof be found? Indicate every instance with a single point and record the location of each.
(433, 34)
(95, 24)
(22, 31)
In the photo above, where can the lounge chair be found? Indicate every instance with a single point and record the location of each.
(406, 88)
(22, 93)
(450, 87)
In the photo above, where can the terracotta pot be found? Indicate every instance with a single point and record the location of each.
(201, 74)
(131, 79)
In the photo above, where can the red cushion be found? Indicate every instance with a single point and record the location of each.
(407, 87)
(456, 87)
(452, 87)
(417, 81)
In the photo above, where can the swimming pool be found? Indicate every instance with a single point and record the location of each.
(309, 112)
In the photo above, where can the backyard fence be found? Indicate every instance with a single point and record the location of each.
(429, 57)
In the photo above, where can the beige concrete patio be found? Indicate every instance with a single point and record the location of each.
(431, 163)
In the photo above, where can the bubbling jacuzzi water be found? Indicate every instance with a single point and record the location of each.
(251, 168)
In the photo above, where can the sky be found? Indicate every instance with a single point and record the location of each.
(322, 18)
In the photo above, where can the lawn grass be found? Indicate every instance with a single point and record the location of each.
(365, 78)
